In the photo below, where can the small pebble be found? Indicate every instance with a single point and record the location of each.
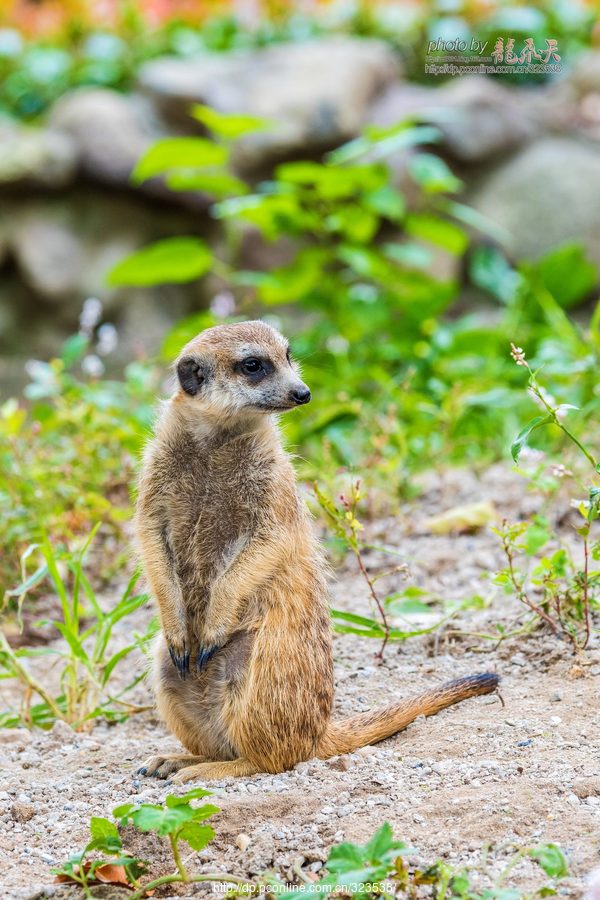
(242, 842)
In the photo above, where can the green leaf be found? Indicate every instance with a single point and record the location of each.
(160, 819)
(437, 231)
(567, 274)
(490, 270)
(173, 260)
(387, 202)
(381, 142)
(537, 536)
(123, 811)
(345, 857)
(178, 153)
(552, 860)
(523, 436)
(227, 125)
(432, 174)
(218, 184)
(196, 794)
(401, 605)
(196, 835)
(73, 349)
(381, 842)
(100, 829)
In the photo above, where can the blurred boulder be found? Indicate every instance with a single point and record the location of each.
(584, 74)
(65, 245)
(110, 131)
(33, 157)
(316, 92)
(478, 119)
(48, 252)
(546, 195)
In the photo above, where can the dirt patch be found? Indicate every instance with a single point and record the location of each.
(477, 775)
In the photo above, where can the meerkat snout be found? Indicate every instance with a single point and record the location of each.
(241, 368)
(300, 395)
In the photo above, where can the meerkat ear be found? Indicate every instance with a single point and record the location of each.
(191, 375)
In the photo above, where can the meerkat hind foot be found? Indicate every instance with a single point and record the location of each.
(164, 766)
(213, 771)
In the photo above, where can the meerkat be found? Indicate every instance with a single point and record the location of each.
(243, 668)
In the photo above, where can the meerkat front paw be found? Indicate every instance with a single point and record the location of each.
(205, 654)
(180, 652)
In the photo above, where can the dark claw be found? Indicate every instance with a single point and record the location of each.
(204, 655)
(154, 774)
(142, 771)
(181, 663)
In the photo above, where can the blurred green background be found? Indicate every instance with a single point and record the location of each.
(169, 166)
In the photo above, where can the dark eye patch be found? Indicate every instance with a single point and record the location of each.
(254, 368)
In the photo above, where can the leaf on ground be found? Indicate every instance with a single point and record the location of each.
(107, 873)
(461, 519)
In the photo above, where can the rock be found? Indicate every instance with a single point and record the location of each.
(33, 157)
(49, 254)
(65, 245)
(109, 130)
(340, 763)
(478, 119)
(15, 736)
(22, 812)
(587, 787)
(584, 74)
(316, 92)
(62, 732)
(242, 841)
(554, 182)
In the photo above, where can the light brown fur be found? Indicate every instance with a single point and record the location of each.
(232, 562)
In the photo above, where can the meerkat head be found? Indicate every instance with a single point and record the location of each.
(245, 368)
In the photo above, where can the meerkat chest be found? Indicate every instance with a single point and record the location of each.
(215, 506)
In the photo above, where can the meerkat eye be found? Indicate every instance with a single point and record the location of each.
(251, 365)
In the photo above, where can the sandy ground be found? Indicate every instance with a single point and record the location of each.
(467, 785)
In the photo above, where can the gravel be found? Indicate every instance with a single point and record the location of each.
(480, 775)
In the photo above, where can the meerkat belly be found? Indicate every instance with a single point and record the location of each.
(198, 709)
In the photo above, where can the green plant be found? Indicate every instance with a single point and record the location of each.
(176, 819)
(395, 380)
(68, 450)
(346, 527)
(557, 589)
(360, 268)
(84, 659)
(116, 867)
(380, 867)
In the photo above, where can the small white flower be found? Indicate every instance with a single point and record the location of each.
(223, 304)
(91, 314)
(38, 370)
(92, 366)
(531, 455)
(518, 354)
(108, 339)
(560, 471)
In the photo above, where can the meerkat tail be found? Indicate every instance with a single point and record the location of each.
(347, 735)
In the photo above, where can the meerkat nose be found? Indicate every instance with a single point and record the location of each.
(300, 395)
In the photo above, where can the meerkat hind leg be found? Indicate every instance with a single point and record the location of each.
(164, 766)
(212, 771)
